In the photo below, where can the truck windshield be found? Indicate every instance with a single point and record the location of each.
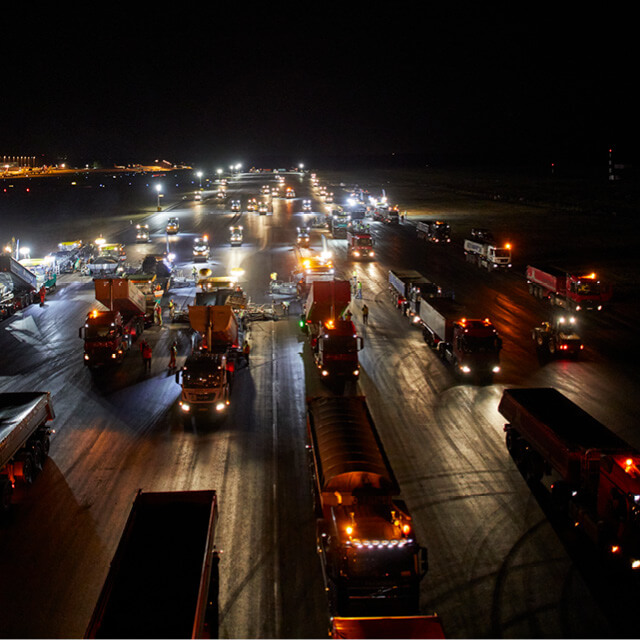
(364, 242)
(340, 344)
(501, 253)
(472, 344)
(98, 332)
(586, 288)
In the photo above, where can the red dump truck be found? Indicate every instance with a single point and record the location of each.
(163, 580)
(472, 346)
(594, 474)
(568, 290)
(360, 246)
(24, 439)
(334, 341)
(371, 562)
(108, 334)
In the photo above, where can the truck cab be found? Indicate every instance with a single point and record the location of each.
(235, 236)
(201, 248)
(335, 347)
(173, 226)
(107, 337)
(360, 246)
(205, 387)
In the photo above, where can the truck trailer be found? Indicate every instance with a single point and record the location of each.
(334, 340)
(24, 439)
(371, 561)
(472, 346)
(409, 288)
(595, 475)
(108, 334)
(436, 231)
(163, 579)
(568, 290)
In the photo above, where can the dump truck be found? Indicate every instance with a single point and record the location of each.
(163, 580)
(371, 562)
(558, 337)
(594, 474)
(487, 254)
(570, 291)
(334, 340)
(24, 439)
(360, 246)
(408, 288)
(204, 378)
(108, 334)
(391, 627)
(472, 346)
(436, 231)
(18, 285)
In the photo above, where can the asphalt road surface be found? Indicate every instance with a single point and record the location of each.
(499, 564)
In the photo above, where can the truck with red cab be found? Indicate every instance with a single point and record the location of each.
(371, 562)
(594, 475)
(334, 340)
(360, 245)
(471, 345)
(573, 291)
(108, 334)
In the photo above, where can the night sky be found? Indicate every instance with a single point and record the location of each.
(483, 82)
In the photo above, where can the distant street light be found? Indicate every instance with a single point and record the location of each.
(160, 195)
(199, 174)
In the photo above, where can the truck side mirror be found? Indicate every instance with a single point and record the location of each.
(360, 342)
(81, 332)
(178, 376)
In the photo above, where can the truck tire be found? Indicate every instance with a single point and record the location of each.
(38, 456)
(552, 347)
(6, 490)
(539, 340)
(23, 466)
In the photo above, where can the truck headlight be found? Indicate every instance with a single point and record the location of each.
(325, 373)
(185, 407)
(356, 372)
(496, 368)
(465, 368)
(114, 356)
(221, 406)
(86, 356)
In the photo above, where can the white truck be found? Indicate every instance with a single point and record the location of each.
(483, 251)
(24, 439)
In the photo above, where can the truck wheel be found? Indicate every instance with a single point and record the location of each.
(6, 490)
(24, 468)
(552, 347)
(38, 456)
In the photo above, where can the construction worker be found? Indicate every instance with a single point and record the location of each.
(359, 290)
(173, 354)
(365, 314)
(246, 351)
(348, 315)
(157, 313)
(147, 353)
(43, 293)
(172, 309)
